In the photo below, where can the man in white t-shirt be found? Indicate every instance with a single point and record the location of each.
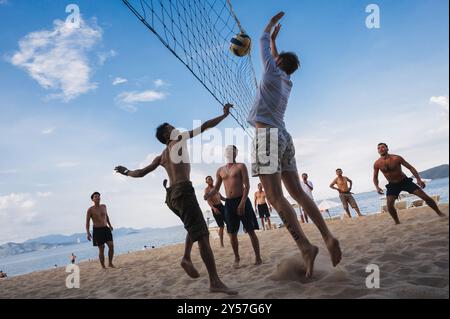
(308, 188)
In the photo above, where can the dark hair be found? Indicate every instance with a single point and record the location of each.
(160, 133)
(289, 62)
(208, 177)
(93, 194)
(384, 144)
(339, 169)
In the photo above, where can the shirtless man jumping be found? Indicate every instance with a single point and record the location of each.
(391, 167)
(238, 207)
(217, 208)
(181, 197)
(263, 208)
(345, 192)
(102, 230)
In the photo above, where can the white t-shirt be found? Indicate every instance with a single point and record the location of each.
(308, 190)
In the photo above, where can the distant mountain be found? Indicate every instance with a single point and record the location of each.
(436, 172)
(51, 241)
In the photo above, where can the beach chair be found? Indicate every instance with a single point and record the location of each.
(401, 205)
(418, 203)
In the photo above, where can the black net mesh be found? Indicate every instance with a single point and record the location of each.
(198, 33)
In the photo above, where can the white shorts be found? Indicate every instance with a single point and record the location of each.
(273, 152)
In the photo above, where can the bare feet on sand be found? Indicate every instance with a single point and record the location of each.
(258, 261)
(237, 264)
(335, 250)
(310, 257)
(221, 288)
(111, 266)
(189, 268)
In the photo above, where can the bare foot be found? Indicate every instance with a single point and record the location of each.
(237, 264)
(334, 250)
(258, 262)
(111, 266)
(189, 269)
(221, 288)
(310, 258)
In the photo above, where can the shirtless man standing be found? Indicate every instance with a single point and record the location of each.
(391, 167)
(238, 207)
(263, 207)
(102, 230)
(345, 192)
(181, 197)
(217, 208)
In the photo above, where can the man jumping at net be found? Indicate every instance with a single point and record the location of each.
(181, 197)
(274, 152)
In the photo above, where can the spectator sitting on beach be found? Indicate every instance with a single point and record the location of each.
(3, 274)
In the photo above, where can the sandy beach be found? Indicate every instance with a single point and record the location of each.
(413, 259)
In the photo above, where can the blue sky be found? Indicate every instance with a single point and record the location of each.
(63, 133)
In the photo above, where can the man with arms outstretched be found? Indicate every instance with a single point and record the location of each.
(391, 167)
(273, 148)
(238, 207)
(102, 229)
(181, 197)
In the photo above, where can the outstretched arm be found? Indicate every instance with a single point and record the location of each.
(140, 172)
(211, 123)
(414, 172)
(376, 182)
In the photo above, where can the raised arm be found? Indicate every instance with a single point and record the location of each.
(413, 171)
(140, 172)
(268, 45)
(376, 182)
(88, 225)
(273, 41)
(211, 123)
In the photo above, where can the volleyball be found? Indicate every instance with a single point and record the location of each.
(241, 45)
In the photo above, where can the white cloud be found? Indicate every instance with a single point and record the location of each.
(119, 80)
(128, 100)
(442, 101)
(160, 83)
(67, 164)
(103, 56)
(48, 131)
(58, 59)
(141, 97)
